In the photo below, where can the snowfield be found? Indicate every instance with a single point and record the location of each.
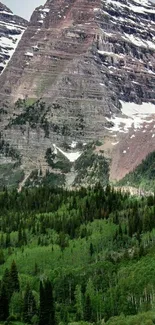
(133, 115)
(71, 156)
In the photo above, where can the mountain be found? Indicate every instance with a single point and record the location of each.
(143, 176)
(12, 28)
(78, 95)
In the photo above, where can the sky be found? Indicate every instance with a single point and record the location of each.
(23, 8)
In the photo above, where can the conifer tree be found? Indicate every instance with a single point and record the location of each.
(4, 304)
(29, 306)
(6, 282)
(2, 241)
(14, 280)
(91, 249)
(2, 259)
(79, 302)
(7, 240)
(47, 309)
(87, 309)
(42, 304)
(20, 237)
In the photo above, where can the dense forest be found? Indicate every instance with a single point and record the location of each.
(76, 257)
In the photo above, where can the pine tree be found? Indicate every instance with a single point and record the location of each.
(29, 306)
(49, 303)
(4, 304)
(7, 240)
(64, 316)
(2, 259)
(6, 282)
(47, 309)
(42, 304)
(20, 237)
(14, 280)
(120, 230)
(87, 309)
(79, 303)
(91, 249)
(2, 241)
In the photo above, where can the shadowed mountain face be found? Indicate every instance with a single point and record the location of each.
(92, 63)
(11, 30)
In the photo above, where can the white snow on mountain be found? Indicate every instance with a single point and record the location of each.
(71, 156)
(134, 116)
(11, 30)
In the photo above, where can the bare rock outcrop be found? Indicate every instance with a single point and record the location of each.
(92, 63)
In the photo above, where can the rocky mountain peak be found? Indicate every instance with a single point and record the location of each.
(11, 30)
(84, 70)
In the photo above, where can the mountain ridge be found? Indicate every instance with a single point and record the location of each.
(84, 71)
(11, 29)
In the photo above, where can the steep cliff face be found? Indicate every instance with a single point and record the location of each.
(11, 30)
(92, 63)
(127, 52)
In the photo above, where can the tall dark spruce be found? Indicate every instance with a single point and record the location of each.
(47, 309)
(29, 306)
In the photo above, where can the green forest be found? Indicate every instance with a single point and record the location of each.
(76, 257)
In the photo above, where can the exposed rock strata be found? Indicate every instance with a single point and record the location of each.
(85, 59)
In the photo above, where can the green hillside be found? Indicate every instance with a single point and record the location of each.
(143, 176)
(90, 251)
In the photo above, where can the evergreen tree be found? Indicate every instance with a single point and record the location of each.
(4, 304)
(2, 259)
(29, 305)
(50, 309)
(64, 316)
(6, 282)
(79, 303)
(20, 237)
(42, 304)
(14, 280)
(47, 309)
(91, 249)
(2, 241)
(87, 309)
(16, 304)
(7, 240)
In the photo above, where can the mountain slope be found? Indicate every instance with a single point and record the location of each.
(143, 176)
(92, 65)
(12, 28)
(90, 243)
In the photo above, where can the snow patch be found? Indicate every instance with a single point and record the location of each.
(133, 115)
(139, 41)
(71, 156)
(73, 144)
(6, 13)
(29, 54)
(8, 46)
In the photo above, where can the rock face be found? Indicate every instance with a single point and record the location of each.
(93, 64)
(11, 30)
